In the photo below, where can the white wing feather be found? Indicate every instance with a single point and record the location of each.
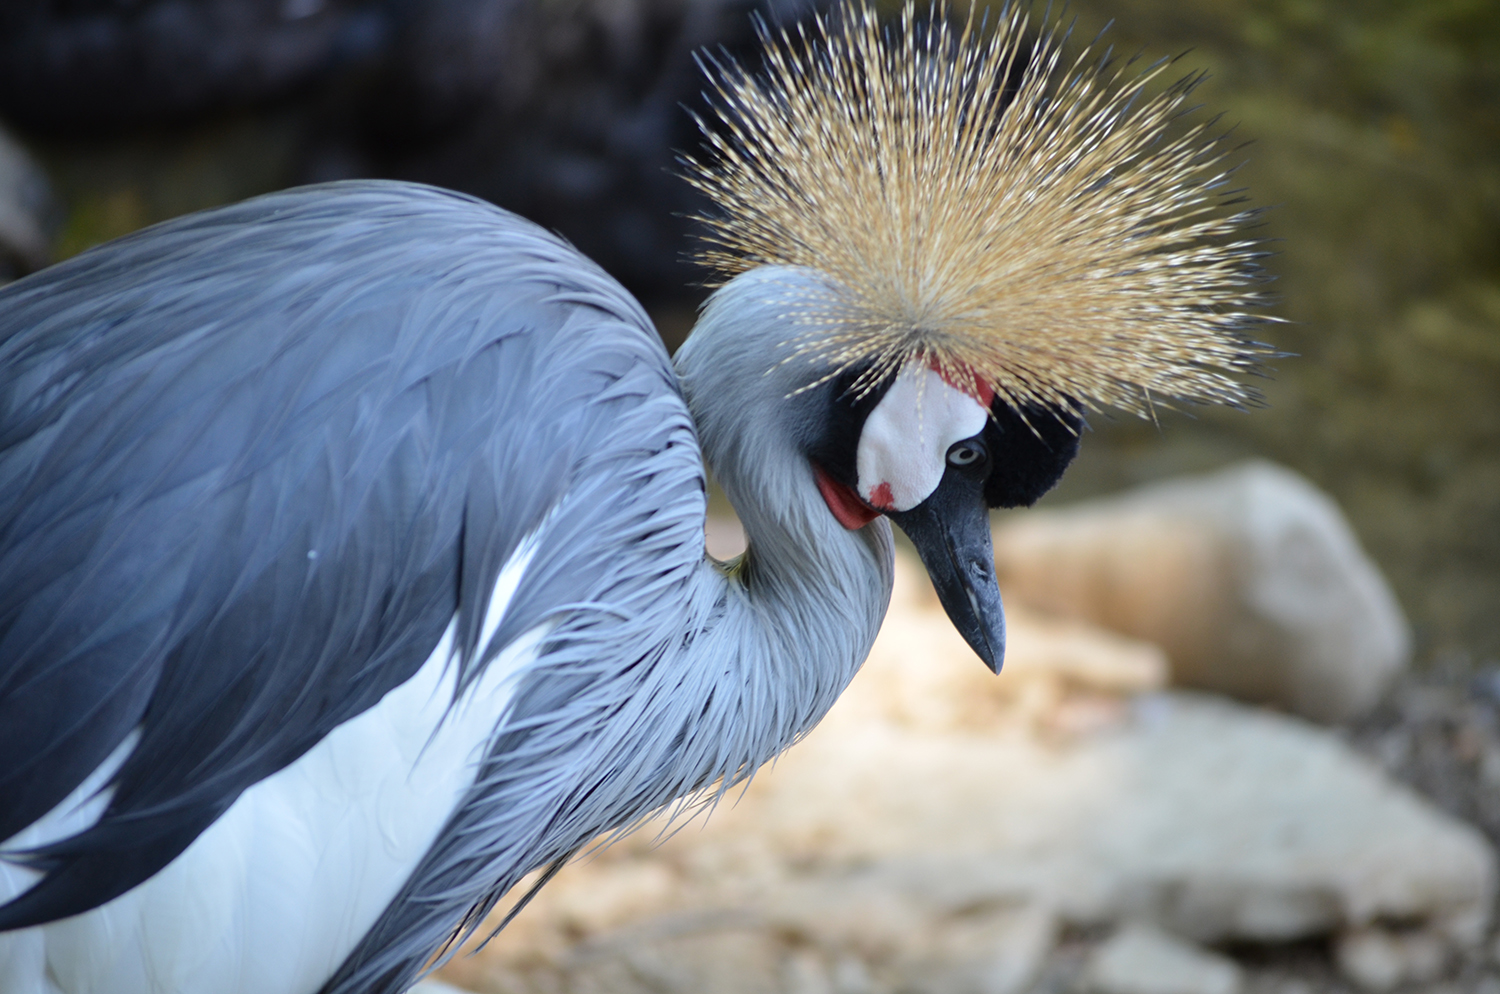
(277, 892)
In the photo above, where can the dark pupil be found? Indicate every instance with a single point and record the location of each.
(963, 455)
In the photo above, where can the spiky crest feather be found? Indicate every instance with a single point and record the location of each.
(975, 204)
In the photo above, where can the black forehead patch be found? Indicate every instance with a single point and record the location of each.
(834, 442)
(1029, 449)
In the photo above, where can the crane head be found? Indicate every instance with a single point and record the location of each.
(974, 239)
(934, 458)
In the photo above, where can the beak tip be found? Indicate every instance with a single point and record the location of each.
(953, 540)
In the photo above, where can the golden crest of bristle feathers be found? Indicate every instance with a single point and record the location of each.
(974, 202)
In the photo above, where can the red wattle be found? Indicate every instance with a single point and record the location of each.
(845, 504)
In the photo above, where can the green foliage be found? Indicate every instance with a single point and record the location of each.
(114, 186)
(1376, 136)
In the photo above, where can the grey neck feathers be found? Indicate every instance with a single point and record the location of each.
(713, 684)
(802, 608)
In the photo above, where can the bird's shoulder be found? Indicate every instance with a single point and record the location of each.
(252, 464)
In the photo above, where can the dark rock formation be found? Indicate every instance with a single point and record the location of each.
(82, 67)
(567, 111)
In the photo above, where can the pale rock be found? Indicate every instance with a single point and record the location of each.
(436, 987)
(1144, 960)
(1219, 821)
(852, 976)
(1250, 579)
(804, 972)
(26, 206)
(681, 955)
(867, 914)
(1380, 959)
(1056, 671)
(928, 940)
(925, 837)
(991, 951)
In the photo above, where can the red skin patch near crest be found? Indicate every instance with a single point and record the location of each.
(985, 395)
(845, 504)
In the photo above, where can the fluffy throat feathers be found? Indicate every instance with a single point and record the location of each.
(1050, 230)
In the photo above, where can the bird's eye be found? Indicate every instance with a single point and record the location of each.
(965, 453)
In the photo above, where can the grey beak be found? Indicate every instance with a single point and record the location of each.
(951, 530)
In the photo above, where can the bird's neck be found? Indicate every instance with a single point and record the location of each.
(793, 619)
(802, 606)
(797, 614)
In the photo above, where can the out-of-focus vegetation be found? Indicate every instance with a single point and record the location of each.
(113, 188)
(1376, 136)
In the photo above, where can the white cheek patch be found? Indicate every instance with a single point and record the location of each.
(903, 449)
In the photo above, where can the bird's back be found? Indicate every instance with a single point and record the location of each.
(255, 466)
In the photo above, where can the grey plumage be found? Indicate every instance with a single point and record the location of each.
(406, 383)
(685, 679)
(261, 467)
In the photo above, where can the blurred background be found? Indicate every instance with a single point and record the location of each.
(1372, 128)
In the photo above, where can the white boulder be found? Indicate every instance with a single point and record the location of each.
(1250, 579)
(26, 207)
(1143, 960)
(1380, 959)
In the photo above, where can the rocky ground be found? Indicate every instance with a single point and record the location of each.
(1432, 733)
(1437, 731)
(1080, 825)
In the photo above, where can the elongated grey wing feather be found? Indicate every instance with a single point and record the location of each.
(254, 460)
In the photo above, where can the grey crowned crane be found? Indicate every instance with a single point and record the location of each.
(351, 538)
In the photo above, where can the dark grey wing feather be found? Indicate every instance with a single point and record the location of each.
(585, 745)
(252, 462)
